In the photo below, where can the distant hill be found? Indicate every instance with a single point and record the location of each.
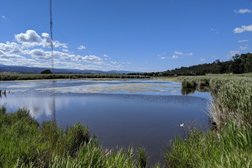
(239, 64)
(23, 69)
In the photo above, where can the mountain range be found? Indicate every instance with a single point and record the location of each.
(37, 70)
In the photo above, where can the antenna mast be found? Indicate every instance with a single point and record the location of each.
(51, 33)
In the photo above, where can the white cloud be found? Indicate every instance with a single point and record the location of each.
(32, 39)
(244, 47)
(65, 50)
(242, 41)
(38, 52)
(178, 52)
(243, 29)
(32, 49)
(202, 59)
(30, 36)
(242, 11)
(82, 47)
(233, 53)
(114, 62)
(175, 57)
(189, 54)
(92, 58)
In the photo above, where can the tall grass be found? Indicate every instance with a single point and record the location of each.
(231, 144)
(26, 143)
(19, 76)
(230, 147)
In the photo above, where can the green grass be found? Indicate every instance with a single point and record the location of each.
(19, 76)
(26, 143)
(230, 145)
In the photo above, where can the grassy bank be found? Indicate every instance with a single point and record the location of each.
(230, 143)
(26, 143)
(19, 76)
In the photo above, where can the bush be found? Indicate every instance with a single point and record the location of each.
(47, 71)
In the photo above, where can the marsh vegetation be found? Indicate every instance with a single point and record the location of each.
(230, 143)
(28, 143)
(21, 76)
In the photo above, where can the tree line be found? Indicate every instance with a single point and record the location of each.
(239, 64)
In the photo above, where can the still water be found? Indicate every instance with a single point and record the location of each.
(121, 113)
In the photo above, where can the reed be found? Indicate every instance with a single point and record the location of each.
(230, 145)
(26, 143)
(19, 76)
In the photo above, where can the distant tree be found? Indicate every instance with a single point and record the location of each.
(217, 61)
(239, 64)
(47, 71)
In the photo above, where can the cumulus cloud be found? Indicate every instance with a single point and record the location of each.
(32, 49)
(30, 36)
(243, 29)
(39, 53)
(32, 39)
(92, 58)
(242, 11)
(82, 47)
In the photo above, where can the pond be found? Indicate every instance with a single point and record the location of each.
(121, 113)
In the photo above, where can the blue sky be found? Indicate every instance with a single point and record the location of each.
(135, 35)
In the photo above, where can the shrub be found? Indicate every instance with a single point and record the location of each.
(47, 71)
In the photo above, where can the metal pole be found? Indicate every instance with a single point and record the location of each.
(51, 33)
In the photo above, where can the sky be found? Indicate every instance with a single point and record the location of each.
(132, 35)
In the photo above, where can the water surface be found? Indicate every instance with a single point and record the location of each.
(121, 113)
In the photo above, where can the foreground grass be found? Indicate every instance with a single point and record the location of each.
(26, 143)
(230, 144)
(19, 76)
(230, 147)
